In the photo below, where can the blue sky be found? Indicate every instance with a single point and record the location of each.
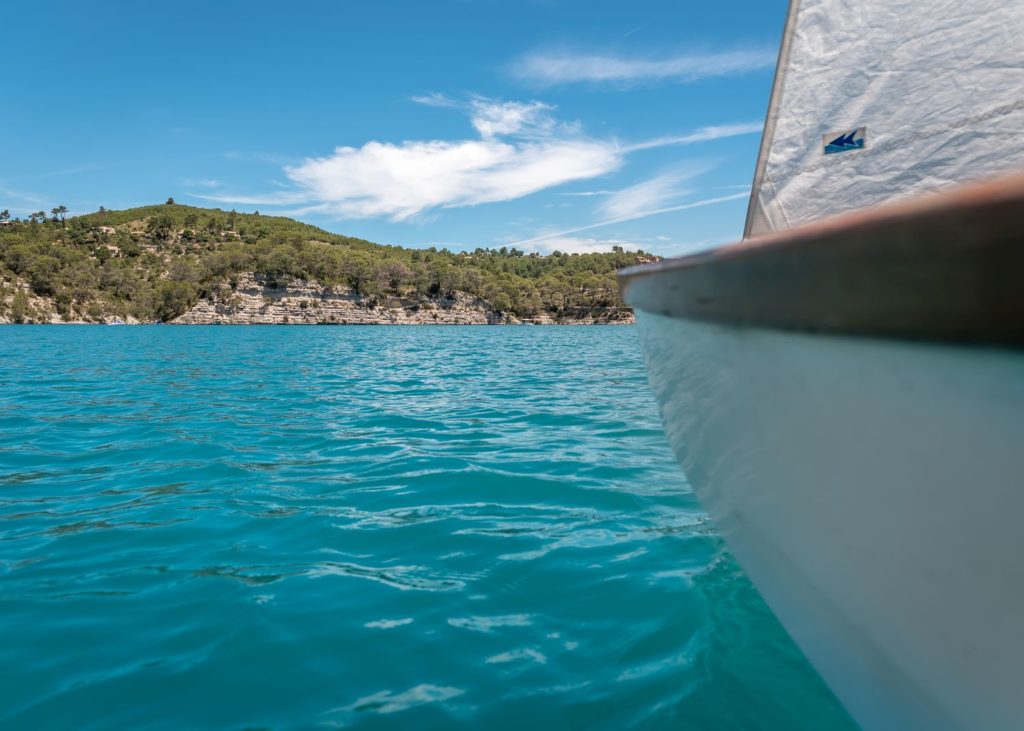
(546, 124)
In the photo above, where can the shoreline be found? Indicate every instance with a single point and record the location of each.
(251, 300)
(560, 323)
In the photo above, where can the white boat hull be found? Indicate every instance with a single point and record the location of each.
(873, 490)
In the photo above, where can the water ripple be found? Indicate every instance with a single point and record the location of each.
(376, 527)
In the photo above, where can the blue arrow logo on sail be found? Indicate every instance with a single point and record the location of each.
(844, 141)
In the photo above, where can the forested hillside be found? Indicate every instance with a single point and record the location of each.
(156, 262)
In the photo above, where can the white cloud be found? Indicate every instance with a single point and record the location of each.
(650, 194)
(511, 118)
(435, 99)
(402, 180)
(568, 244)
(579, 245)
(630, 217)
(201, 182)
(491, 118)
(704, 134)
(661, 245)
(29, 198)
(73, 171)
(290, 198)
(553, 68)
(521, 148)
(683, 248)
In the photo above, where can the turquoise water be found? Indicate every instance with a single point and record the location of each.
(317, 527)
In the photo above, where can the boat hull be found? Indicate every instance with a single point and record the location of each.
(872, 490)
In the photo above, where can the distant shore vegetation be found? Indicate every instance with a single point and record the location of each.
(155, 262)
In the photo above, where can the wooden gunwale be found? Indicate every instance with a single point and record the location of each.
(947, 267)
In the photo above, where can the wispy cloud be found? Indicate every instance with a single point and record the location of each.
(520, 148)
(579, 245)
(631, 217)
(289, 198)
(24, 202)
(435, 99)
(76, 170)
(201, 183)
(551, 68)
(403, 180)
(568, 244)
(491, 118)
(511, 118)
(682, 248)
(704, 134)
(648, 195)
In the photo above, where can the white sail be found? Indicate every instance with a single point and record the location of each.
(915, 95)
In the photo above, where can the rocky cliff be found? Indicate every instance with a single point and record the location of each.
(251, 300)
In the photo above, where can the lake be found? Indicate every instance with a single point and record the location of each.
(375, 527)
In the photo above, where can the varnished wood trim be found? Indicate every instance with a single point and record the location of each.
(945, 267)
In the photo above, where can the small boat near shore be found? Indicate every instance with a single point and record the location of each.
(844, 388)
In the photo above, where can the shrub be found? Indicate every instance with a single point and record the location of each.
(172, 299)
(19, 306)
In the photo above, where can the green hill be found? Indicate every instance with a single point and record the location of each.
(154, 263)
